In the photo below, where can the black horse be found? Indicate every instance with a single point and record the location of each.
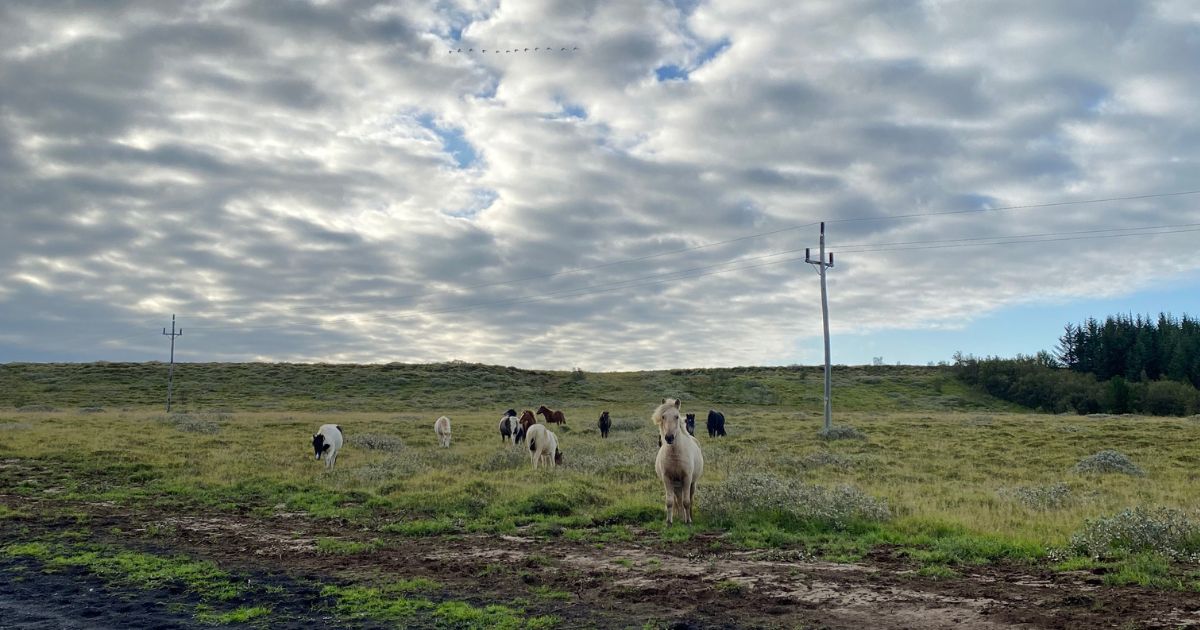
(605, 424)
(716, 423)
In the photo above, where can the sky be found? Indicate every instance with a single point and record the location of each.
(614, 185)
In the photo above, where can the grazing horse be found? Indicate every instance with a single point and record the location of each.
(716, 423)
(552, 416)
(679, 463)
(508, 426)
(527, 420)
(442, 429)
(690, 422)
(605, 424)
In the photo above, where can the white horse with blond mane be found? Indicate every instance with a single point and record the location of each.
(679, 463)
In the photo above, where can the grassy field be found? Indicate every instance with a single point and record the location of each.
(933, 473)
(403, 387)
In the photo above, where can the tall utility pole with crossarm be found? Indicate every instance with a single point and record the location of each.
(171, 372)
(822, 265)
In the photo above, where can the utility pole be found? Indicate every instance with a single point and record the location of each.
(171, 372)
(822, 265)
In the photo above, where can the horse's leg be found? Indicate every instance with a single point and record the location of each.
(685, 492)
(670, 492)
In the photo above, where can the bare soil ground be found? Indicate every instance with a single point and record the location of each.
(609, 585)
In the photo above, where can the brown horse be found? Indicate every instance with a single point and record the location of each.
(527, 420)
(553, 416)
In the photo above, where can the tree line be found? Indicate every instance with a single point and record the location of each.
(1124, 364)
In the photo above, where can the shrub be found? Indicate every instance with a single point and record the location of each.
(629, 424)
(1109, 462)
(376, 442)
(789, 501)
(195, 422)
(1051, 497)
(505, 459)
(1162, 530)
(842, 433)
(826, 458)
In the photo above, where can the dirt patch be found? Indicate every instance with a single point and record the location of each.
(684, 585)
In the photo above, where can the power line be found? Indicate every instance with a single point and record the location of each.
(1018, 207)
(992, 238)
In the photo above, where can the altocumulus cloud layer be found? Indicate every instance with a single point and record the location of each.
(325, 182)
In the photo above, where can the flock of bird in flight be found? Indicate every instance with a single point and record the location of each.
(515, 50)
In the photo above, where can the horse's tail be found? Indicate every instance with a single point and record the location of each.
(532, 444)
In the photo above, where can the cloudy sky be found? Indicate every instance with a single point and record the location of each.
(326, 181)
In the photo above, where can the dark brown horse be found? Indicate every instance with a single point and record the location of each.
(605, 424)
(552, 416)
(527, 420)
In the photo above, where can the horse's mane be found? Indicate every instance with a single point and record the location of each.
(658, 412)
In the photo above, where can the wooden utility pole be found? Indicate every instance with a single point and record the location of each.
(171, 372)
(822, 265)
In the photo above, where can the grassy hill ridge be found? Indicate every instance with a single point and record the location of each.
(390, 386)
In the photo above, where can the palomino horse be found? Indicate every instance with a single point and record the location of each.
(553, 416)
(679, 463)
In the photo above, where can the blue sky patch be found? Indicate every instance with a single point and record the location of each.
(670, 72)
(453, 141)
(712, 51)
(574, 111)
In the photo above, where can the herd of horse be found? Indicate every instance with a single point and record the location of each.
(679, 463)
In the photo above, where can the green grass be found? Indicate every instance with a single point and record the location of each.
(7, 512)
(131, 568)
(937, 572)
(243, 614)
(953, 468)
(394, 605)
(339, 547)
(275, 386)
(394, 600)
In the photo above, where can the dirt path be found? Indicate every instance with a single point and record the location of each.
(629, 583)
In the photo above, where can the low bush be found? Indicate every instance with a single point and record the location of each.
(195, 422)
(820, 459)
(789, 502)
(376, 442)
(505, 459)
(1050, 497)
(1170, 532)
(842, 433)
(1109, 462)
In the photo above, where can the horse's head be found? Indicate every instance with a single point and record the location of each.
(557, 457)
(667, 419)
(544, 410)
(690, 422)
(603, 415)
(510, 412)
(527, 418)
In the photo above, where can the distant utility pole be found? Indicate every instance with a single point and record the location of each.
(822, 265)
(171, 373)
